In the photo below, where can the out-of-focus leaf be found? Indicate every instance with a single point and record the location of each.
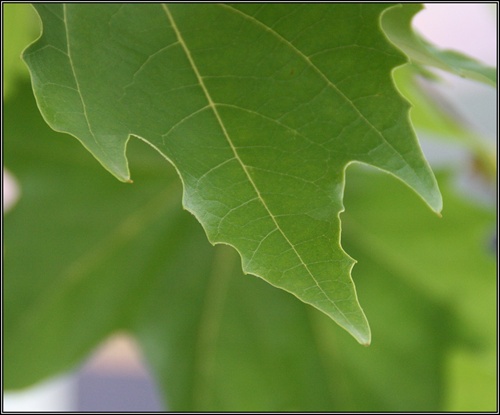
(432, 113)
(472, 381)
(57, 241)
(106, 257)
(85, 256)
(260, 107)
(429, 112)
(396, 23)
(258, 350)
(450, 259)
(19, 28)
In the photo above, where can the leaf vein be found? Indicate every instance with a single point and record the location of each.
(237, 156)
(73, 71)
(319, 72)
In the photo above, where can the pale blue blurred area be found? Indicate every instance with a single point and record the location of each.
(108, 392)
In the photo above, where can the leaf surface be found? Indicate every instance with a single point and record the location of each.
(260, 108)
(85, 257)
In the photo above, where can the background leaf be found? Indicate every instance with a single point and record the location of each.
(260, 109)
(432, 113)
(396, 23)
(86, 256)
(452, 260)
(19, 27)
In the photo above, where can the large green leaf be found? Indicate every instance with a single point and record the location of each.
(260, 107)
(85, 256)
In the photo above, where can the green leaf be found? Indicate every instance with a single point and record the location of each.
(432, 113)
(85, 257)
(260, 108)
(71, 221)
(452, 260)
(396, 23)
(19, 28)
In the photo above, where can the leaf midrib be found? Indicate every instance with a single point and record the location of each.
(213, 106)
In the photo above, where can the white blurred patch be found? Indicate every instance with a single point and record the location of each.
(54, 395)
(469, 28)
(11, 190)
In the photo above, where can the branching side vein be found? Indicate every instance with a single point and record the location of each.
(213, 106)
